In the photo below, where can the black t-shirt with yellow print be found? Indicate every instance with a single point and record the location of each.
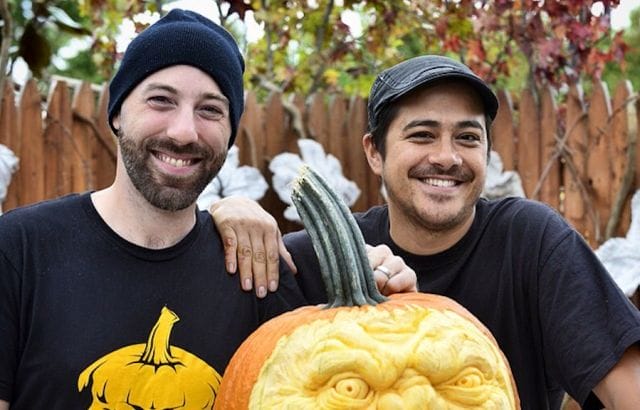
(87, 318)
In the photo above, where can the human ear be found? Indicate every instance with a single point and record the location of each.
(115, 121)
(374, 158)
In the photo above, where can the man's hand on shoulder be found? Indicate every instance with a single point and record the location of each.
(252, 243)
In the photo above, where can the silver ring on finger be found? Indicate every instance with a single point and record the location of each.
(384, 270)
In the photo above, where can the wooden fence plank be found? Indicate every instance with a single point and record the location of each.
(358, 167)
(106, 148)
(30, 150)
(9, 131)
(550, 186)
(599, 175)
(503, 133)
(337, 144)
(274, 144)
(528, 144)
(8, 114)
(574, 172)
(635, 128)
(318, 119)
(59, 119)
(250, 140)
(622, 108)
(82, 141)
(296, 102)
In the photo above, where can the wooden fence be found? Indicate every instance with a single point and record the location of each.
(582, 160)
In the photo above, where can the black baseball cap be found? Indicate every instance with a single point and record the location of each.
(405, 77)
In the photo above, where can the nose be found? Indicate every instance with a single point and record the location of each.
(390, 401)
(182, 127)
(445, 154)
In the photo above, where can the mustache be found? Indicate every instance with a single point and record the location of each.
(456, 172)
(168, 145)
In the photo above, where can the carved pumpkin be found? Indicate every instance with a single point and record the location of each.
(154, 375)
(362, 350)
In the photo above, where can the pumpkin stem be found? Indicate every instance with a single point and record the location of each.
(156, 352)
(337, 240)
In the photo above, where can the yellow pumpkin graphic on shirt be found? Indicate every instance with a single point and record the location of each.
(154, 375)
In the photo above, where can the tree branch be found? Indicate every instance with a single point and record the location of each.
(320, 33)
(105, 144)
(297, 120)
(627, 178)
(562, 151)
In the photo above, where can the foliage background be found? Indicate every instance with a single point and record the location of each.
(308, 46)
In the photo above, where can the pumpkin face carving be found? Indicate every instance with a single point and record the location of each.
(411, 351)
(154, 375)
(415, 351)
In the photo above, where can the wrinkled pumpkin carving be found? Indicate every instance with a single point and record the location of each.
(362, 350)
(154, 375)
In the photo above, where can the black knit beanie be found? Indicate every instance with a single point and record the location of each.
(182, 37)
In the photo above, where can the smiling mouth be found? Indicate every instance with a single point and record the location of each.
(175, 162)
(440, 183)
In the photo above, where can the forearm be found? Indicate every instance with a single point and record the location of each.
(4, 405)
(620, 388)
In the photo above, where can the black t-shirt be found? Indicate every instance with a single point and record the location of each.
(73, 292)
(531, 279)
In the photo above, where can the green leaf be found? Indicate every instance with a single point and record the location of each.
(66, 23)
(34, 49)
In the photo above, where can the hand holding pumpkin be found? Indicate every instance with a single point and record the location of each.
(390, 272)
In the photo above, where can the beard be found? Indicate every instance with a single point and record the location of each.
(433, 213)
(168, 192)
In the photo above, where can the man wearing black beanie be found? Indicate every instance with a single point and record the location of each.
(120, 298)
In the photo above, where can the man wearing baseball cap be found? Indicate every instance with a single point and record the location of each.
(560, 319)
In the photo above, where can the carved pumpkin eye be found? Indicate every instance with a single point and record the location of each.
(469, 378)
(352, 387)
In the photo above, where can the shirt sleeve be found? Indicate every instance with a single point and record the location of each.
(586, 320)
(287, 297)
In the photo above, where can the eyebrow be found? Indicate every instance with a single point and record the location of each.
(434, 123)
(173, 90)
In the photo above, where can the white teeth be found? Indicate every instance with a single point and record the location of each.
(445, 183)
(174, 161)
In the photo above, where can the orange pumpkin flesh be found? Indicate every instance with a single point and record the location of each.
(273, 353)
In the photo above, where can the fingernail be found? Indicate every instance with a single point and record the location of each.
(247, 284)
(273, 286)
(231, 268)
(262, 292)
